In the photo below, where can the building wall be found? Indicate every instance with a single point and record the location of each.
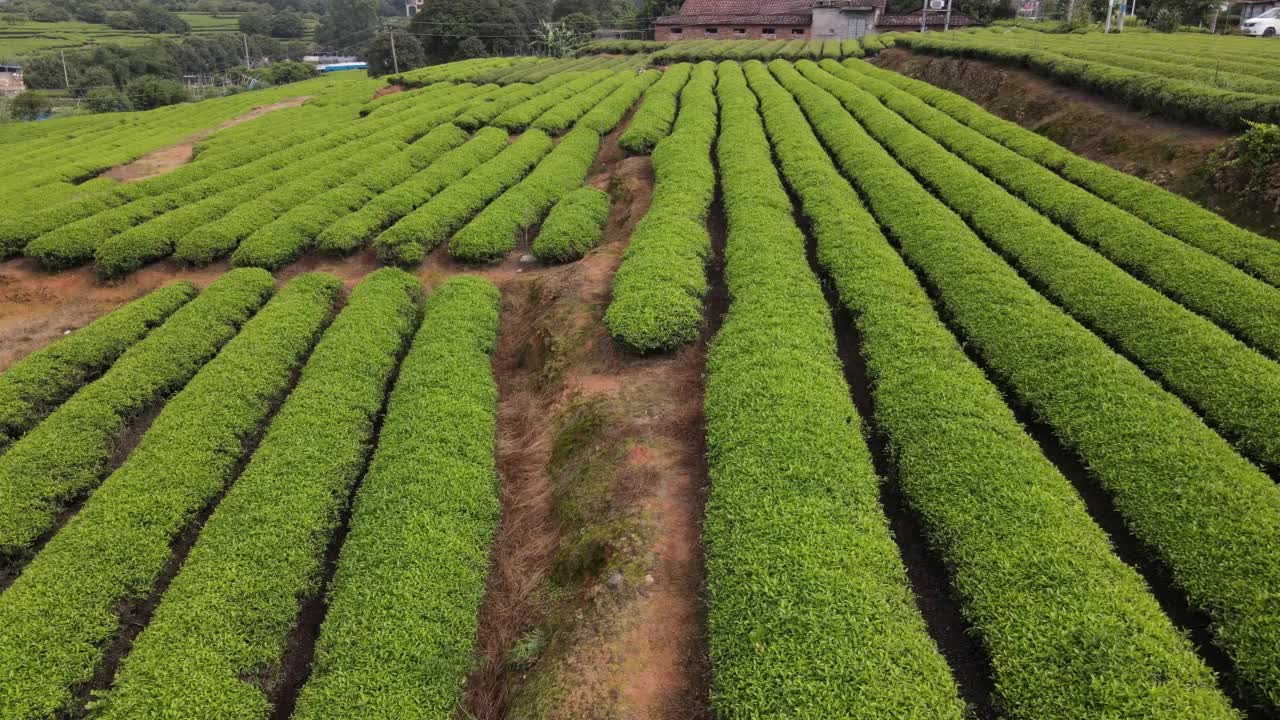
(834, 23)
(726, 32)
(11, 83)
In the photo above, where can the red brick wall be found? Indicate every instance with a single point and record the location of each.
(725, 32)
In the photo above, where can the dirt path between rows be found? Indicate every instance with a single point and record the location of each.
(165, 160)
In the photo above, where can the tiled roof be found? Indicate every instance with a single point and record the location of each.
(788, 19)
(958, 19)
(746, 7)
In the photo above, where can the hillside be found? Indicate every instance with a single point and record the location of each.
(627, 385)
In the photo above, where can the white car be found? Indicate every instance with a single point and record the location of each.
(1265, 25)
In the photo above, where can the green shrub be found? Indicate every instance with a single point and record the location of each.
(574, 226)
(798, 548)
(1129, 314)
(34, 386)
(1211, 517)
(658, 288)
(606, 115)
(1170, 213)
(653, 120)
(491, 234)
(413, 236)
(401, 623)
(70, 451)
(1034, 573)
(59, 617)
(358, 228)
(296, 484)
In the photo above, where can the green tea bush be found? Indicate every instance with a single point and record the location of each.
(1034, 573)
(400, 629)
(71, 450)
(193, 656)
(409, 240)
(658, 288)
(574, 226)
(653, 120)
(58, 618)
(798, 548)
(492, 233)
(34, 386)
(1211, 517)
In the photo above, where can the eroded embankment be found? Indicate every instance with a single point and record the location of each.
(594, 605)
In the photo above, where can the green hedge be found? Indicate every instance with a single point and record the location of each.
(606, 115)
(810, 614)
(1133, 317)
(58, 618)
(263, 548)
(34, 386)
(658, 288)
(1034, 573)
(852, 49)
(574, 226)
(284, 239)
(653, 120)
(563, 115)
(215, 223)
(480, 114)
(398, 637)
(1209, 516)
(357, 229)
(1170, 97)
(77, 242)
(492, 233)
(409, 240)
(1169, 212)
(522, 116)
(70, 451)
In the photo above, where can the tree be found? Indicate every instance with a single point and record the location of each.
(92, 77)
(581, 23)
(472, 47)
(255, 24)
(30, 106)
(149, 91)
(348, 22)
(92, 14)
(287, 24)
(409, 53)
(103, 100)
(154, 19)
(287, 72)
(442, 26)
(49, 13)
(555, 39)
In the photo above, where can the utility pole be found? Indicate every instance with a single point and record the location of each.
(1124, 10)
(395, 62)
(924, 11)
(66, 79)
(247, 66)
(1111, 4)
(946, 24)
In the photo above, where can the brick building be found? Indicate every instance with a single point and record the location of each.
(789, 20)
(11, 80)
(770, 20)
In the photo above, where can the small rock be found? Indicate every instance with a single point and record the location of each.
(527, 259)
(648, 580)
(66, 332)
(615, 580)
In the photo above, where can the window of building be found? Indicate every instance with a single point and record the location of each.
(769, 33)
(797, 32)
(677, 31)
(711, 31)
(739, 32)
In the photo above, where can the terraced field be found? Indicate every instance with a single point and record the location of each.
(1204, 78)
(989, 429)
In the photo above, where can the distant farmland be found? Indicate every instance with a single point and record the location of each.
(26, 39)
